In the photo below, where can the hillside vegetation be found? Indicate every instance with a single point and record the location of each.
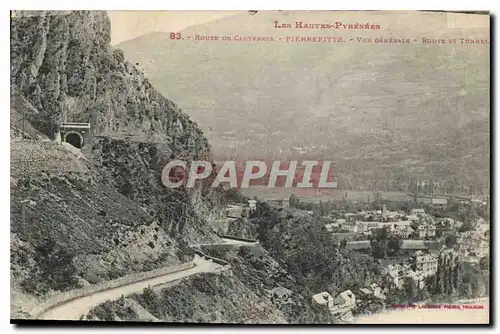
(79, 218)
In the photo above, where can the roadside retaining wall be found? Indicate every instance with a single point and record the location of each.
(65, 297)
(237, 238)
(214, 259)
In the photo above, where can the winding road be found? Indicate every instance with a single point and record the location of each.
(75, 308)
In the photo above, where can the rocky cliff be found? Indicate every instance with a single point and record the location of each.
(80, 217)
(63, 65)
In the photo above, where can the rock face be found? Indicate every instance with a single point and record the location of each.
(100, 213)
(64, 66)
(65, 70)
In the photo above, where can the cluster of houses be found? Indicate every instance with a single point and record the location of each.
(424, 248)
(471, 247)
(239, 211)
(425, 264)
(474, 245)
(341, 306)
(415, 225)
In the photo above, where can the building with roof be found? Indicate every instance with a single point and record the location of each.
(331, 226)
(413, 245)
(323, 298)
(373, 290)
(368, 225)
(393, 273)
(404, 231)
(469, 258)
(358, 245)
(474, 244)
(235, 211)
(343, 303)
(417, 277)
(426, 263)
(437, 201)
(252, 205)
(390, 215)
(413, 218)
(417, 212)
(377, 291)
(427, 231)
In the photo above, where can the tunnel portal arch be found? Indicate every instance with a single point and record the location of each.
(74, 133)
(74, 138)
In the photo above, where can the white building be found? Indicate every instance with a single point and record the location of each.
(417, 277)
(343, 303)
(426, 263)
(374, 290)
(367, 226)
(331, 226)
(393, 271)
(339, 306)
(417, 212)
(323, 298)
(390, 215)
(234, 210)
(377, 291)
(428, 230)
(473, 244)
(404, 232)
(252, 204)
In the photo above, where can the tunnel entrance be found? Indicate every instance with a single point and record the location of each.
(74, 133)
(74, 139)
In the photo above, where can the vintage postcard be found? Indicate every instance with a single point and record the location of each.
(243, 167)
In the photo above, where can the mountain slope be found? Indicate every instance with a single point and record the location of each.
(83, 217)
(341, 101)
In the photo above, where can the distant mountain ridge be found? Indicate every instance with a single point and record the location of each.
(348, 102)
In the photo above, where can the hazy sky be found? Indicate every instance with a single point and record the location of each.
(126, 25)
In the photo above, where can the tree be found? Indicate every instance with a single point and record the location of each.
(394, 245)
(410, 289)
(384, 244)
(413, 263)
(455, 276)
(467, 226)
(484, 263)
(450, 241)
(54, 270)
(294, 201)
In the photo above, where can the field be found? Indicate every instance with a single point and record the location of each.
(321, 194)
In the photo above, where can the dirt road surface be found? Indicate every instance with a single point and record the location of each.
(74, 309)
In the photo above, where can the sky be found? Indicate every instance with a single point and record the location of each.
(126, 25)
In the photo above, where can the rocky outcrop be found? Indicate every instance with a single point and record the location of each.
(84, 217)
(63, 65)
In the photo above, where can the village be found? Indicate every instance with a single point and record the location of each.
(424, 239)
